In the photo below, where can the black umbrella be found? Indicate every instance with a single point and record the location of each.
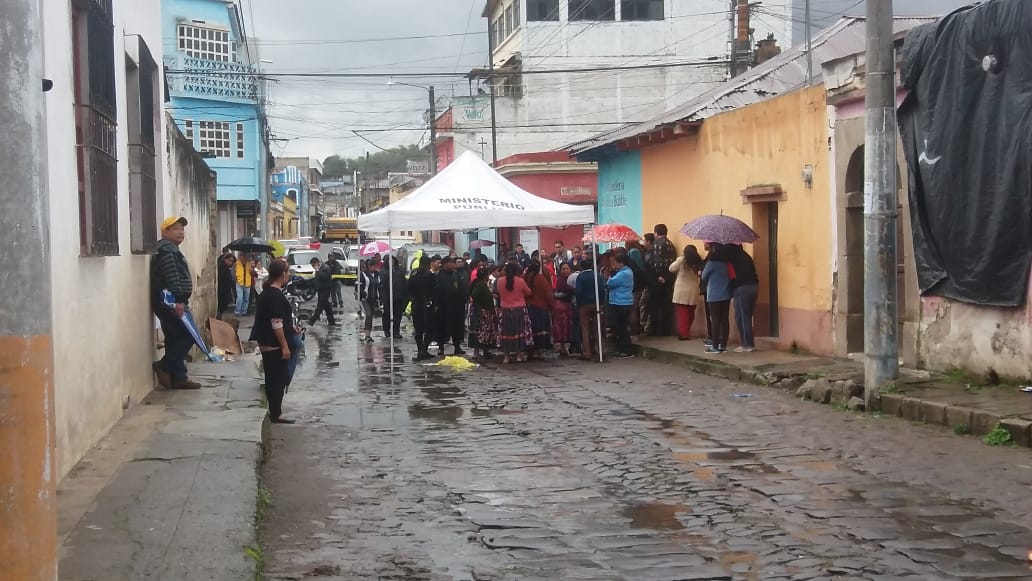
(250, 244)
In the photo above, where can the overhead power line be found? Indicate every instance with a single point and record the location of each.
(706, 62)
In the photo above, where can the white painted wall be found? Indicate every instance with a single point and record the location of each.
(575, 106)
(103, 330)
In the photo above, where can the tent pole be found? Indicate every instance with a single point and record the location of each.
(598, 300)
(390, 287)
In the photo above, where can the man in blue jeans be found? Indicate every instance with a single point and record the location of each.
(169, 271)
(621, 300)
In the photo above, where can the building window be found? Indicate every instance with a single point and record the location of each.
(516, 14)
(641, 10)
(96, 131)
(214, 138)
(143, 94)
(240, 140)
(510, 22)
(594, 10)
(509, 85)
(204, 42)
(188, 130)
(542, 10)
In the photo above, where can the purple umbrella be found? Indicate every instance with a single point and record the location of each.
(720, 228)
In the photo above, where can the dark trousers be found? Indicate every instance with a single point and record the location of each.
(451, 325)
(661, 297)
(336, 297)
(177, 344)
(421, 323)
(323, 305)
(720, 311)
(709, 321)
(277, 376)
(621, 325)
(745, 306)
(391, 319)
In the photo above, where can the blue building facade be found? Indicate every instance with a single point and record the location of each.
(289, 184)
(217, 101)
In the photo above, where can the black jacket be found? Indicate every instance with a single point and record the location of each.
(169, 271)
(324, 278)
(421, 287)
(745, 268)
(226, 283)
(451, 291)
(400, 286)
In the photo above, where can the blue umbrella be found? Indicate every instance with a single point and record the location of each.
(188, 322)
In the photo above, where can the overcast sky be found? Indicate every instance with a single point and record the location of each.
(318, 115)
(315, 116)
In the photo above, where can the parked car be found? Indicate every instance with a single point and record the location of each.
(290, 243)
(350, 262)
(299, 259)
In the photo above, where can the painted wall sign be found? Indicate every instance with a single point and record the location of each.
(619, 190)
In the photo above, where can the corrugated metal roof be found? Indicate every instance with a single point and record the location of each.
(780, 75)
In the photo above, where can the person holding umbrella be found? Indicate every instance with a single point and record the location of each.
(170, 272)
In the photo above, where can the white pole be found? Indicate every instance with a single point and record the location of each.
(390, 286)
(598, 300)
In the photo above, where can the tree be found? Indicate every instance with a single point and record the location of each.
(376, 164)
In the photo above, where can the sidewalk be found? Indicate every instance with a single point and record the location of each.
(171, 492)
(963, 404)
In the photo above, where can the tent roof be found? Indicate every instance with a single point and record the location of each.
(471, 194)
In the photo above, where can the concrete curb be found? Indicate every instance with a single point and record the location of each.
(832, 385)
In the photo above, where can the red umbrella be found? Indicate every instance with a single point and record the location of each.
(611, 233)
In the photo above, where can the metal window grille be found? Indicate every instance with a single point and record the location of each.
(204, 42)
(214, 138)
(240, 141)
(188, 130)
(96, 129)
(641, 10)
(595, 10)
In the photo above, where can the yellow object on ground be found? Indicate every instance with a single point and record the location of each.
(455, 362)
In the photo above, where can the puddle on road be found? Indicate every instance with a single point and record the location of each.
(712, 454)
(656, 515)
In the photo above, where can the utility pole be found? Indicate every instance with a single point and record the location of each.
(433, 131)
(490, 77)
(28, 508)
(881, 324)
(809, 46)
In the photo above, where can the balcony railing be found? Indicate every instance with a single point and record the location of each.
(207, 78)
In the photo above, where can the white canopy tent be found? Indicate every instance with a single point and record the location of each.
(470, 194)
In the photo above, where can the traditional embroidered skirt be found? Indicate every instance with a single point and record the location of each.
(514, 333)
(541, 325)
(483, 328)
(562, 322)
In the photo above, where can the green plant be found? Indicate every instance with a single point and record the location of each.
(264, 498)
(840, 406)
(961, 429)
(998, 437)
(258, 555)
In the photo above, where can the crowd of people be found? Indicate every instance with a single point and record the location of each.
(535, 303)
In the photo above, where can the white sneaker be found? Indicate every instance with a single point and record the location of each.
(749, 349)
(740, 349)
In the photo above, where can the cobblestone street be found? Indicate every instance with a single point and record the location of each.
(629, 470)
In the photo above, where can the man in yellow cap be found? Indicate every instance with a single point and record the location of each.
(169, 271)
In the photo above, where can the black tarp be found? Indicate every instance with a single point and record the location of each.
(967, 138)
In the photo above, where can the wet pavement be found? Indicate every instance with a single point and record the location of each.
(629, 470)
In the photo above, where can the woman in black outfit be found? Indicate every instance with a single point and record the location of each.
(274, 332)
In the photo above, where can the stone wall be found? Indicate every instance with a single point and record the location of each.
(191, 191)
